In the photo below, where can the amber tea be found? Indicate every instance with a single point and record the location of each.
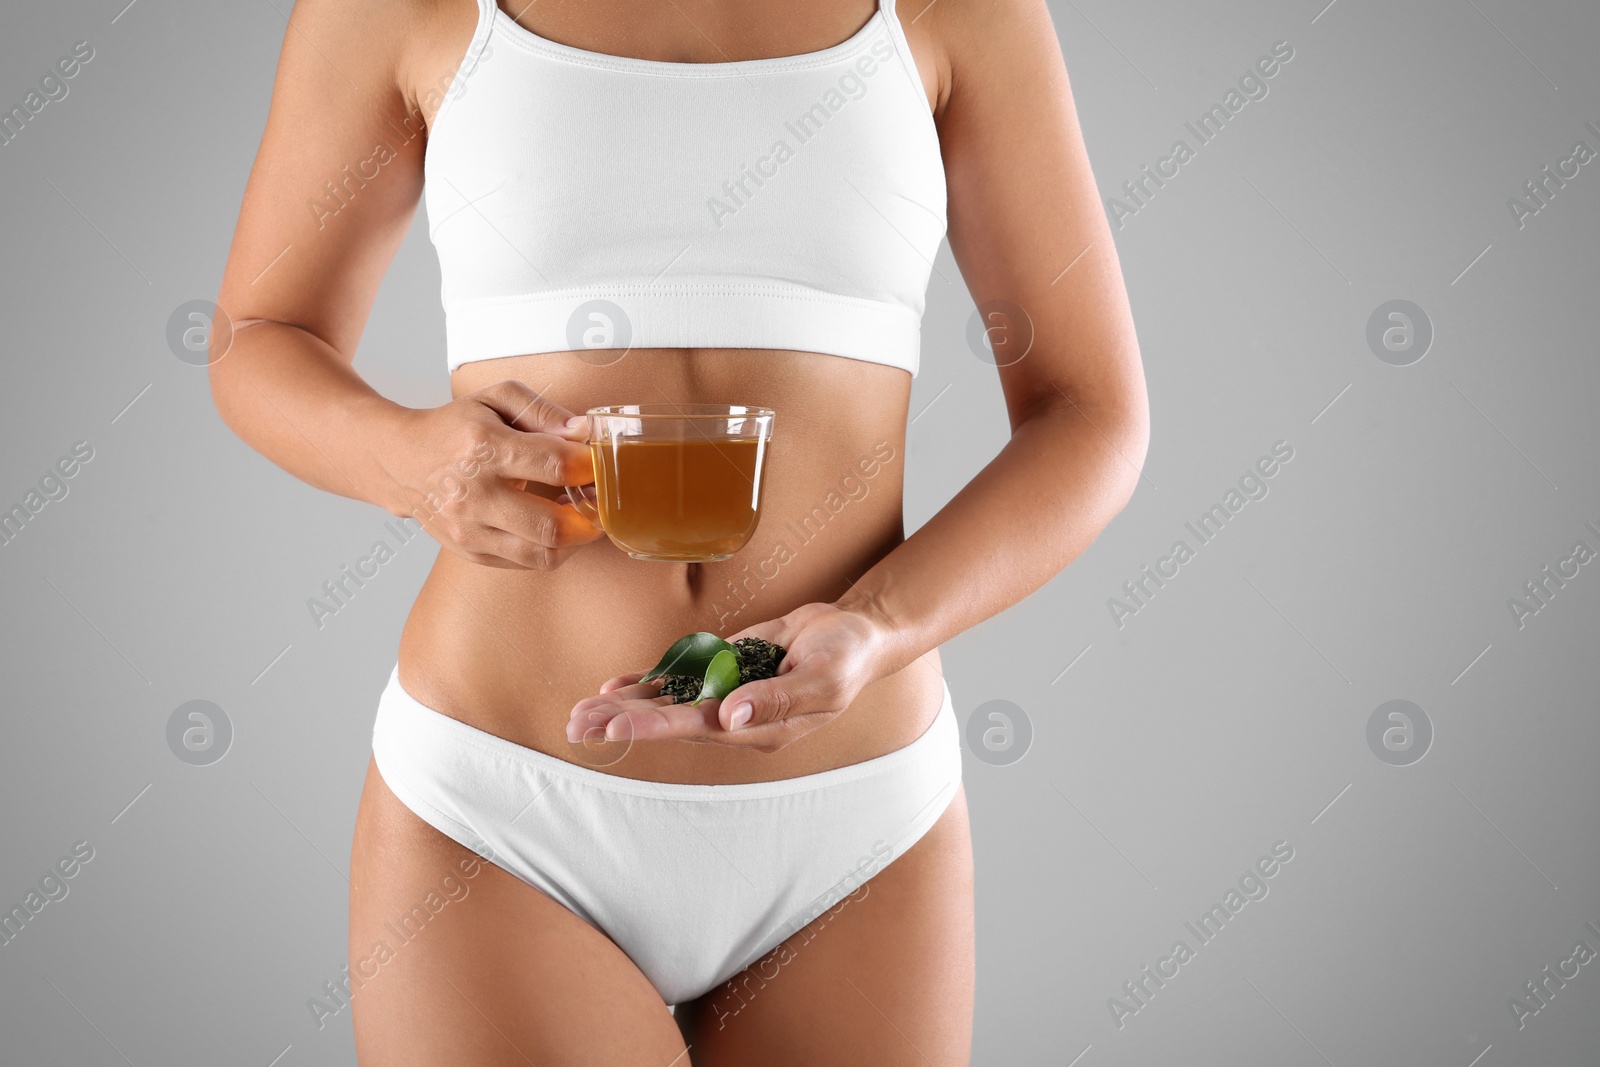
(678, 499)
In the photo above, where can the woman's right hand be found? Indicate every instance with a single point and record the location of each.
(460, 470)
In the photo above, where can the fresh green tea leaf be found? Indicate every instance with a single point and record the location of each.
(722, 676)
(690, 655)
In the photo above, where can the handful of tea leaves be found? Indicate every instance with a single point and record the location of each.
(702, 666)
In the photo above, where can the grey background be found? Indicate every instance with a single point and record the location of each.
(1229, 714)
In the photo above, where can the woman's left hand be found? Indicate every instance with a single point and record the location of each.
(832, 654)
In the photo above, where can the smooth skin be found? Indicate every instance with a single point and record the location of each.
(533, 627)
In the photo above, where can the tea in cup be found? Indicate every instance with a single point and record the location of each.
(676, 483)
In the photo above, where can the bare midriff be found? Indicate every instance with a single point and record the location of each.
(510, 652)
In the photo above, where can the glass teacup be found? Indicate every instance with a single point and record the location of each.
(678, 483)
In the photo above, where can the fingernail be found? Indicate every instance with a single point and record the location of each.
(740, 716)
(578, 422)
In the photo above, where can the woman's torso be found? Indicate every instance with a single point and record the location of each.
(510, 652)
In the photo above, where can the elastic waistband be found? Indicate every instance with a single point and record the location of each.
(399, 713)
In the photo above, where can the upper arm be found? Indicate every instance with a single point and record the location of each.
(1023, 208)
(339, 171)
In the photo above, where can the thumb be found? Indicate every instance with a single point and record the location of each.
(769, 700)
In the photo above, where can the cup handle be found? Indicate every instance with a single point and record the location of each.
(582, 499)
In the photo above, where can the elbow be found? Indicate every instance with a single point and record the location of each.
(1128, 413)
(1115, 424)
(224, 396)
(1135, 435)
(1130, 438)
(224, 374)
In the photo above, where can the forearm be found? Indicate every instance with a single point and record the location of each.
(1066, 472)
(291, 397)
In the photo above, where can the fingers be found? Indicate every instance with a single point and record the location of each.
(764, 715)
(510, 528)
(536, 520)
(624, 687)
(622, 680)
(493, 443)
(633, 713)
(656, 720)
(532, 437)
(485, 559)
(499, 548)
(525, 409)
(538, 456)
(806, 689)
(642, 719)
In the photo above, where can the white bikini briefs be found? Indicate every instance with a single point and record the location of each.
(693, 882)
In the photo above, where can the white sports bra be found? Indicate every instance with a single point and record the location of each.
(581, 200)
